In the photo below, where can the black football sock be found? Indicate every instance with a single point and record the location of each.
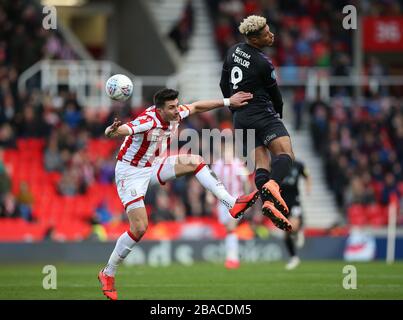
(261, 177)
(281, 167)
(289, 243)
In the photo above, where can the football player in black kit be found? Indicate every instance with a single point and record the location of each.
(247, 68)
(290, 192)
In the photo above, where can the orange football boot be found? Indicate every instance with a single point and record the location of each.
(271, 189)
(108, 285)
(243, 203)
(270, 211)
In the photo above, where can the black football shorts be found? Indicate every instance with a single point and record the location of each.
(267, 127)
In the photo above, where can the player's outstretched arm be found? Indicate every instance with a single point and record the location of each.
(224, 83)
(237, 100)
(117, 130)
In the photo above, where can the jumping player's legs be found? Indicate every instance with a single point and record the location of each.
(271, 135)
(278, 147)
(262, 165)
(281, 166)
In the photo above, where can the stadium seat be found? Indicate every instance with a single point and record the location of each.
(20, 230)
(377, 215)
(72, 231)
(357, 215)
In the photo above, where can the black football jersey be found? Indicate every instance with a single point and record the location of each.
(248, 69)
(289, 186)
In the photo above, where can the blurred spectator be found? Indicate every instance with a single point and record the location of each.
(106, 170)
(9, 207)
(182, 30)
(163, 209)
(52, 157)
(5, 181)
(25, 199)
(7, 137)
(102, 213)
(389, 188)
(69, 184)
(195, 198)
(359, 193)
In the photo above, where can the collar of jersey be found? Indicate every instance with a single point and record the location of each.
(253, 47)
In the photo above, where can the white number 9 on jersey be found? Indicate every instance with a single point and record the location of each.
(236, 76)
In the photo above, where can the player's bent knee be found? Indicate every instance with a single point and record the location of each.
(287, 155)
(138, 229)
(190, 162)
(196, 160)
(197, 163)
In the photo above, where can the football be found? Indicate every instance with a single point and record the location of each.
(119, 87)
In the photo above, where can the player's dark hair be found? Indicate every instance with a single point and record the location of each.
(164, 95)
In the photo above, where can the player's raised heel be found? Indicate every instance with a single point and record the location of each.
(243, 203)
(272, 190)
(270, 211)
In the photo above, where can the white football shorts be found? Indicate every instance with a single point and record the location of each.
(132, 182)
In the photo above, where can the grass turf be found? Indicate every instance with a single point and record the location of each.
(311, 280)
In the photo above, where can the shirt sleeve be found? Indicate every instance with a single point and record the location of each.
(140, 124)
(184, 111)
(224, 82)
(269, 73)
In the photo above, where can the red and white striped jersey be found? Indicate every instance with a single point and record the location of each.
(150, 136)
(233, 175)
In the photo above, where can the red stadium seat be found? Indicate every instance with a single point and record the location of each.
(357, 215)
(376, 214)
(377, 186)
(72, 231)
(20, 230)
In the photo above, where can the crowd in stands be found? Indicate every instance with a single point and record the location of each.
(182, 30)
(307, 33)
(362, 149)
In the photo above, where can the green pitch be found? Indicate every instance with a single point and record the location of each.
(312, 280)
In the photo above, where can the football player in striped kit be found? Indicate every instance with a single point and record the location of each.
(235, 177)
(141, 163)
